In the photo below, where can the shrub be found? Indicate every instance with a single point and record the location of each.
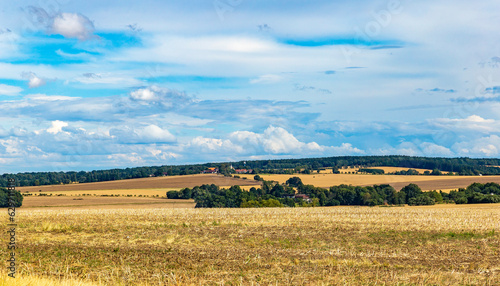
(421, 200)
(16, 197)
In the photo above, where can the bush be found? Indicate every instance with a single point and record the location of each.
(461, 200)
(16, 198)
(421, 200)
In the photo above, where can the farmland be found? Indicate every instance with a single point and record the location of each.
(187, 181)
(397, 181)
(443, 245)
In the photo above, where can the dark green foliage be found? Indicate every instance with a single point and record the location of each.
(436, 172)
(372, 171)
(258, 178)
(6, 195)
(475, 193)
(411, 191)
(421, 200)
(294, 182)
(409, 172)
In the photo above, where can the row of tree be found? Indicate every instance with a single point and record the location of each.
(475, 193)
(275, 194)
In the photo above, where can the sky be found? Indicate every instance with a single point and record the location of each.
(88, 85)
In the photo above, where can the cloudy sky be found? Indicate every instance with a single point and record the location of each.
(102, 84)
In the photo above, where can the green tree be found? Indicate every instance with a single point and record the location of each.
(411, 191)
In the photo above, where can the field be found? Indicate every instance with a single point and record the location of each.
(397, 181)
(169, 182)
(441, 245)
(386, 169)
(103, 202)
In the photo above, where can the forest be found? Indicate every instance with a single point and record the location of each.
(461, 166)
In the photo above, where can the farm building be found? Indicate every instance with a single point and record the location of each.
(211, 170)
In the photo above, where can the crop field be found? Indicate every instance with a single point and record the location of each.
(347, 170)
(397, 181)
(169, 182)
(85, 201)
(439, 245)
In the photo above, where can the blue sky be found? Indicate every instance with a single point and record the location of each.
(90, 85)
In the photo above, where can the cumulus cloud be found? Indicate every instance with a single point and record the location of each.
(33, 79)
(488, 146)
(73, 25)
(57, 126)
(9, 90)
(473, 123)
(273, 141)
(167, 98)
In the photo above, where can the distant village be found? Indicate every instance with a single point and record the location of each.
(215, 170)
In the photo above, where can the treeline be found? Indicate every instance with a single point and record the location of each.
(461, 166)
(476, 193)
(371, 171)
(272, 194)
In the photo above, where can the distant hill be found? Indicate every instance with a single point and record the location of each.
(462, 166)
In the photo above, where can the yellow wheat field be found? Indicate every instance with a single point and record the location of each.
(443, 245)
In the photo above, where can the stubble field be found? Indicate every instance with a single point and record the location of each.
(444, 245)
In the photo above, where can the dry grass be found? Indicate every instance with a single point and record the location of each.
(116, 192)
(38, 281)
(443, 245)
(69, 201)
(168, 182)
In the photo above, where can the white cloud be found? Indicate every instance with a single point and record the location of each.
(144, 94)
(34, 80)
(142, 135)
(110, 79)
(268, 78)
(44, 97)
(57, 127)
(474, 123)
(488, 146)
(73, 25)
(9, 90)
(431, 149)
(156, 134)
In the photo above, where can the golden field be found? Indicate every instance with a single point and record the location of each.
(438, 245)
(386, 169)
(169, 182)
(101, 202)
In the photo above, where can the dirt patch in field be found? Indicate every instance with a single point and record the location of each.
(188, 181)
(67, 201)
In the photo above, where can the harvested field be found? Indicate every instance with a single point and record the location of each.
(187, 181)
(386, 169)
(397, 181)
(115, 192)
(437, 245)
(66, 201)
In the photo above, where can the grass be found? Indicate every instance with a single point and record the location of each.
(94, 200)
(445, 245)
